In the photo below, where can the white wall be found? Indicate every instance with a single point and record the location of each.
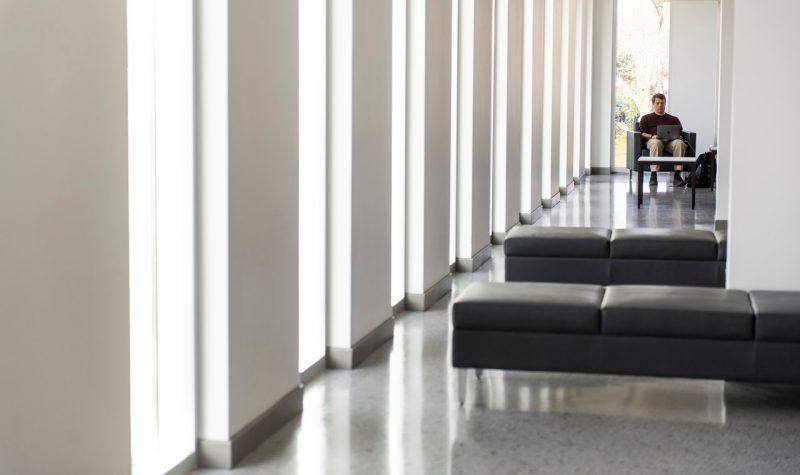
(724, 110)
(602, 95)
(248, 125)
(64, 346)
(360, 164)
(507, 115)
(474, 126)
(693, 68)
(763, 251)
(428, 144)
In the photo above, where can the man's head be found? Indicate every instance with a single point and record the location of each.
(659, 103)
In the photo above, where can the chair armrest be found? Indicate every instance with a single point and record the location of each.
(634, 139)
(691, 139)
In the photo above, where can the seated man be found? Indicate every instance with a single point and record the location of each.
(648, 125)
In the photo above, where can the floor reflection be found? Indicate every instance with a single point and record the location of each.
(670, 399)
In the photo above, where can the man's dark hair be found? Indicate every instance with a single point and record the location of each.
(658, 95)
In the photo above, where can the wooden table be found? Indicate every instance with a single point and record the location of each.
(645, 162)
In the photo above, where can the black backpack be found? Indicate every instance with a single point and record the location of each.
(703, 175)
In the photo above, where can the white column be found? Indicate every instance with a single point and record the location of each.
(359, 198)
(551, 130)
(64, 344)
(565, 183)
(428, 152)
(248, 259)
(603, 57)
(532, 109)
(763, 251)
(579, 118)
(474, 133)
(587, 86)
(507, 136)
(724, 111)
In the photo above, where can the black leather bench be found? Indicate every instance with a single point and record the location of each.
(685, 257)
(688, 332)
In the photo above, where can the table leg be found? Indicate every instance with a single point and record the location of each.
(694, 187)
(713, 171)
(639, 187)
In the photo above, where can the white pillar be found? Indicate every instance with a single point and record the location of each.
(579, 102)
(474, 133)
(64, 343)
(565, 182)
(532, 110)
(763, 251)
(428, 152)
(248, 212)
(551, 131)
(359, 198)
(588, 86)
(724, 111)
(603, 58)
(507, 116)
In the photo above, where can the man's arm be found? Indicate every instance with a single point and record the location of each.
(642, 126)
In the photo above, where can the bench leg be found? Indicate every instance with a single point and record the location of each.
(461, 382)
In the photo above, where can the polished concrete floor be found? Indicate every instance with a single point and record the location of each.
(397, 413)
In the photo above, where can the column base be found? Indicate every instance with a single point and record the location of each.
(471, 264)
(420, 302)
(349, 358)
(227, 453)
(548, 203)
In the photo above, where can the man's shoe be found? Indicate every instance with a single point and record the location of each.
(678, 180)
(653, 179)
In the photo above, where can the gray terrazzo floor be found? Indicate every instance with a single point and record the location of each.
(397, 413)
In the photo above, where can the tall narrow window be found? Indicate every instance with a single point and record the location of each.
(398, 151)
(312, 199)
(161, 202)
(642, 64)
(453, 127)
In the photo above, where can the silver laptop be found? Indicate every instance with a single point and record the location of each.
(668, 132)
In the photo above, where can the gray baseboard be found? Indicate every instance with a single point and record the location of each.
(349, 358)
(185, 467)
(227, 453)
(576, 180)
(600, 171)
(452, 267)
(532, 217)
(548, 203)
(471, 264)
(497, 238)
(721, 225)
(399, 307)
(315, 370)
(419, 302)
(565, 190)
